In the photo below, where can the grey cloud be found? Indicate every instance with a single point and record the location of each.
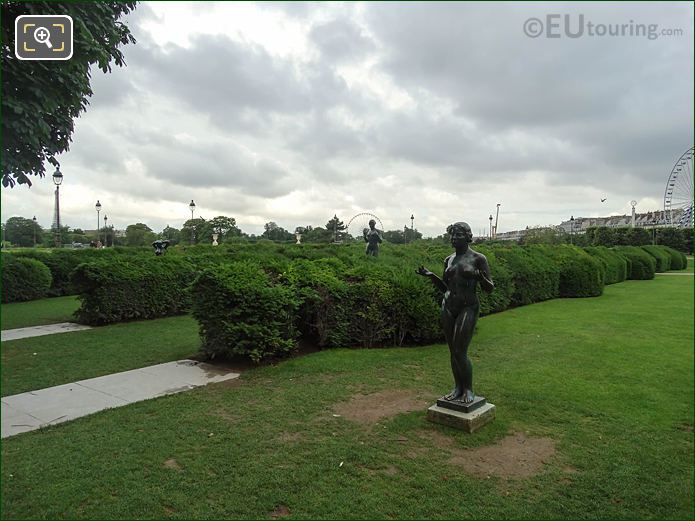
(226, 79)
(609, 98)
(341, 40)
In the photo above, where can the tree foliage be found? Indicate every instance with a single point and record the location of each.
(41, 99)
(224, 227)
(21, 231)
(139, 234)
(276, 233)
(172, 235)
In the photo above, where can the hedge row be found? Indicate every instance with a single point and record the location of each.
(24, 279)
(615, 266)
(62, 263)
(678, 259)
(257, 301)
(662, 258)
(642, 265)
(119, 289)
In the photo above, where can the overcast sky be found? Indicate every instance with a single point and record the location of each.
(294, 112)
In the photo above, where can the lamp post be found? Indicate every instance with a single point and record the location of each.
(412, 226)
(191, 207)
(571, 229)
(335, 227)
(490, 226)
(98, 208)
(105, 230)
(34, 219)
(57, 180)
(497, 216)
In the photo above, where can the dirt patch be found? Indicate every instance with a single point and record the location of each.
(686, 427)
(172, 464)
(290, 437)
(280, 511)
(225, 415)
(390, 470)
(370, 408)
(515, 456)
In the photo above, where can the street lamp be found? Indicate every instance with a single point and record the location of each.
(571, 229)
(490, 226)
(335, 227)
(192, 208)
(412, 226)
(34, 219)
(57, 180)
(105, 229)
(98, 208)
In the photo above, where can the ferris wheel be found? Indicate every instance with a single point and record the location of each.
(356, 225)
(678, 196)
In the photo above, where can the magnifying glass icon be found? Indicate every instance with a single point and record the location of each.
(42, 35)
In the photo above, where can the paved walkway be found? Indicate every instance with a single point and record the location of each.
(35, 409)
(50, 329)
(675, 273)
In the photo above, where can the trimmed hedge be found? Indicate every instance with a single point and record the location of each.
(255, 300)
(24, 279)
(678, 259)
(662, 257)
(615, 265)
(242, 311)
(62, 263)
(642, 265)
(121, 289)
(535, 277)
(581, 275)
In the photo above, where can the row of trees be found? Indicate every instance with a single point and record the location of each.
(20, 231)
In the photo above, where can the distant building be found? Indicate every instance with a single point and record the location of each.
(645, 220)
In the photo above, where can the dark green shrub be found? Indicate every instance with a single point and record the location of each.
(63, 262)
(322, 315)
(501, 297)
(662, 257)
(580, 274)
(120, 289)
(678, 259)
(642, 265)
(241, 312)
(24, 279)
(535, 276)
(370, 297)
(615, 265)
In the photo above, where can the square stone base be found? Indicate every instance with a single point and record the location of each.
(465, 421)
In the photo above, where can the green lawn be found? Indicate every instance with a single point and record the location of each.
(609, 380)
(44, 361)
(38, 312)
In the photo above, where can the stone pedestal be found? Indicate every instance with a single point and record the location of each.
(468, 417)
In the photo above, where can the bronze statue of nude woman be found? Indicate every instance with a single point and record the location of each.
(463, 270)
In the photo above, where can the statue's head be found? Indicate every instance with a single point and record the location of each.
(372, 223)
(460, 231)
(160, 246)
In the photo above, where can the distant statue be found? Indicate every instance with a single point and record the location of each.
(373, 238)
(160, 246)
(463, 270)
(298, 236)
(214, 239)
